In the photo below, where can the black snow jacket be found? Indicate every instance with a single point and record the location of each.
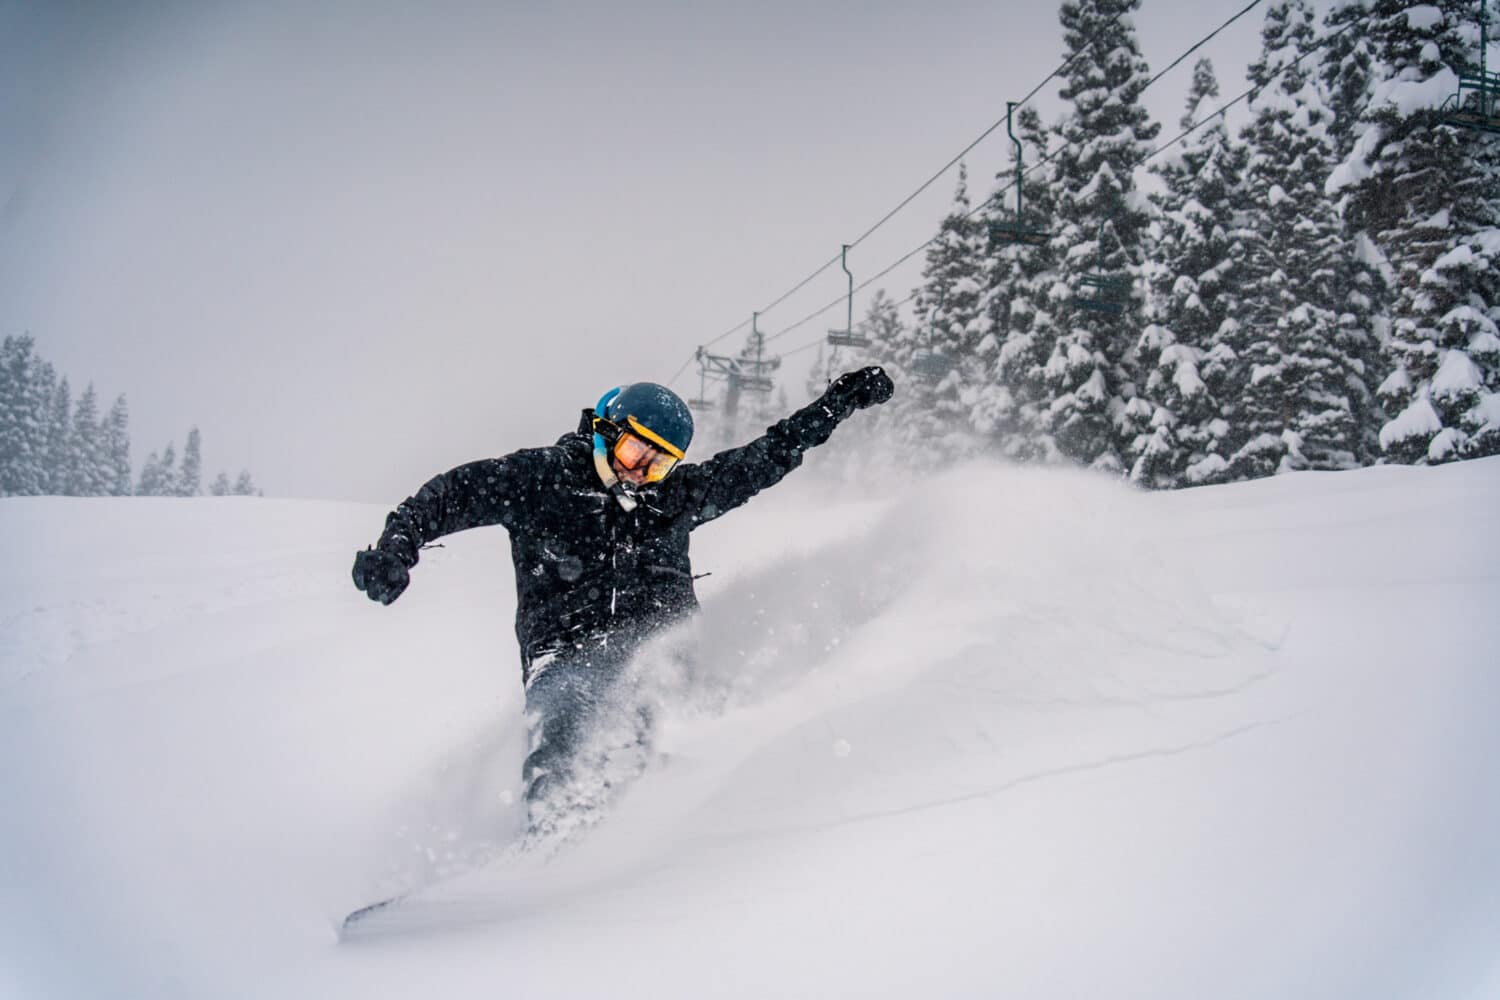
(585, 566)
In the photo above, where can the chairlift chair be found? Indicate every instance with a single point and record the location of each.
(847, 337)
(1017, 231)
(1477, 104)
(747, 372)
(928, 364)
(931, 365)
(1107, 293)
(751, 383)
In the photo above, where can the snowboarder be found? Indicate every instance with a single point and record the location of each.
(599, 526)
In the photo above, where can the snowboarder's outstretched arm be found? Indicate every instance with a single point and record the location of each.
(732, 477)
(490, 491)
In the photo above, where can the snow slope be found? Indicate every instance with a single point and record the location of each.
(1007, 733)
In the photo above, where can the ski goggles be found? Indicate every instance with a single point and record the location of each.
(639, 455)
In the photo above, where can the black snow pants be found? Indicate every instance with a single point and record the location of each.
(589, 727)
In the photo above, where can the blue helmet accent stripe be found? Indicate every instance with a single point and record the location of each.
(605, 399)
(601, 410)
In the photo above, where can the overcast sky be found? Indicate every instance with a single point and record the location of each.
(359, 243)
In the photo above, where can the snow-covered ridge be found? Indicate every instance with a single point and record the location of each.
(1006, 732)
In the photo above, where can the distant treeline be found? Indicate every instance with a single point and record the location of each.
(50, 445)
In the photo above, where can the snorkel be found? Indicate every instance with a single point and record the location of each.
(601, 454)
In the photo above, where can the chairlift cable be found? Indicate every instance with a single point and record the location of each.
(1052, 155)
(1245, 94)
(974, 211)
(924, 186)
(1202, 42)
(1028, 171)
(982, 136)
(684, 368)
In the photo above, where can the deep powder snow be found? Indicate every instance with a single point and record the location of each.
(1005, 733)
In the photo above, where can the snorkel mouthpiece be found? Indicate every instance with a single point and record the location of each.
(601, 456)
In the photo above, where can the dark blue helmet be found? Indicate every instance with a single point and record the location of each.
(655, 411)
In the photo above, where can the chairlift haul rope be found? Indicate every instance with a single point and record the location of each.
(1105, 286)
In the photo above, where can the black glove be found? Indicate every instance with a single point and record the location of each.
(858, 389)
(381, 575)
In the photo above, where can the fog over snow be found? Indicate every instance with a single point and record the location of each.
(1000, 733)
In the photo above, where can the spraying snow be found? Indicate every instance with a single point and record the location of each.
(1006, 732)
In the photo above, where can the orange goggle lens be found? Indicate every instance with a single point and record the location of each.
(633, 453)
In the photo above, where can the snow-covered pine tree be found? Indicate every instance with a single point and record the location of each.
(1010, 407)
(150, 482)
(890, 342)
(1193, 280)
(1298, 387)
(1429, 194)
(244, 486)
(893, 343)
(891, 346)
(1102, 224)
(159, 476)
(168, 467)
(220, 487)
(116, 432)
(1345, 70)
(61, 461)
(89, 477)
(934, 414)
(189, 478)
(26, 389)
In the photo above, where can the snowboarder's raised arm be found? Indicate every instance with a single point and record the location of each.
(490, 491)
(732, 477)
